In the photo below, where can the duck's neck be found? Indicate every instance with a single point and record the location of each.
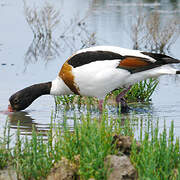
(33, 92)
(40, 89)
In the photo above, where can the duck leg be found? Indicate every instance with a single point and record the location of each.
(121, 100)
(100, 105)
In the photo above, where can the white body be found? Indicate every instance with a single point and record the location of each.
(101, 77)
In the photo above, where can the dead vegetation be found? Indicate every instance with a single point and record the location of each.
(42, 21)
(154, 31)
(47, 45)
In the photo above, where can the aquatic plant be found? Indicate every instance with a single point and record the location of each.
(150, 31)
(88, 144)
(42, 21)
(91, 140)
(161, 35)
(72, 34)
(5, 151)
(142, 91)
(32, 159)
(159, 154)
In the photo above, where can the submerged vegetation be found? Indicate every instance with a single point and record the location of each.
(86, 147)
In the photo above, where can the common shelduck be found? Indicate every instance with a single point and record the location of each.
(95, 72)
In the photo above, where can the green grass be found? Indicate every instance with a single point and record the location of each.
(158, 156)
(72, 101)
(91, 140)
(140, 92)
(32, 158)
(5, 151)
(143, 90)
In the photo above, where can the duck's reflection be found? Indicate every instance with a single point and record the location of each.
(26, 124)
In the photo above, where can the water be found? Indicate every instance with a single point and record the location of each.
(26, 60)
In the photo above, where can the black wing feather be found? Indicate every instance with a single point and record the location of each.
(161, 58)
(92, 56)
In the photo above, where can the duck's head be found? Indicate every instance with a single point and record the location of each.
(23, 98)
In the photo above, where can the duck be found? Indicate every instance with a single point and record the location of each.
(97, 71)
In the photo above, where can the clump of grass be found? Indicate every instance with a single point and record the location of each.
(70, 101)
(142, 91)
(92, 141)
(73, 35)
(4, 155)
(65, 99)
(43, 22)
(5, 152)
(32, 159)
(158, 156)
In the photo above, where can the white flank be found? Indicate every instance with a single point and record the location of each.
(119, 50)
(155, 72)
(99, 78)
(59, 87)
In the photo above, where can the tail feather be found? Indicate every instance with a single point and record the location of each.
(162, 58)
(170, 60)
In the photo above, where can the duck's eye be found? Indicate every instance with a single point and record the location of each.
(16, 101)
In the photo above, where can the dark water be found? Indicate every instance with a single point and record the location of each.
(26, 59)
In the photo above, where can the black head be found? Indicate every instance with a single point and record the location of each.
(20, 101)
(23, 98)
